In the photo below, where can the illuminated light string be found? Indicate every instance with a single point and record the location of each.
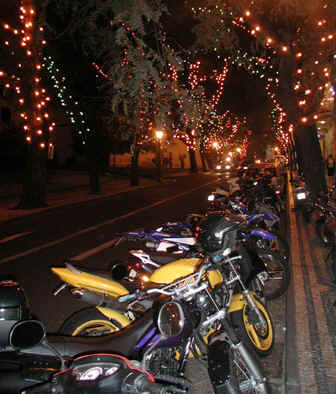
(26, 82)
(71, 106)
(202, 107)
(323, 72)
(264, 69)
(151, 93)
(302, 101)
(206, 125)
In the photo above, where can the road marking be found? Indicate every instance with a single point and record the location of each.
(11, 237)
(95, 227)
(96, 250)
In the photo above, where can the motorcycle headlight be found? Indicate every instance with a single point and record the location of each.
(301, 196)
(171, 319)
(211, 197)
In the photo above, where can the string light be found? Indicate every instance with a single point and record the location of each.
(27, 77)
(71, 107)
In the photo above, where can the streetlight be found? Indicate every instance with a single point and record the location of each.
(159, 135)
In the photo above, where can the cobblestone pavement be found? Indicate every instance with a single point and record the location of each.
(311, 317)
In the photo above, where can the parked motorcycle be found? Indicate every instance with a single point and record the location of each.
(32, 361)
(266, 254)
(109, 296)
(324, 214)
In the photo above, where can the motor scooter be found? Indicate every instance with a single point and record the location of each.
(33, 361)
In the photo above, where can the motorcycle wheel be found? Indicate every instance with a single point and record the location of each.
(245, 323)
(242, 380)
(279, 276)
(89, 322)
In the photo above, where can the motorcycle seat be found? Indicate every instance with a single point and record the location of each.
(103, 274)
(164, 258)
(125, 341)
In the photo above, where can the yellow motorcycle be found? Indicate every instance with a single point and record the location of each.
(115, 310)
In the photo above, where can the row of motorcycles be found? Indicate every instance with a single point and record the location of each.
(198, 289)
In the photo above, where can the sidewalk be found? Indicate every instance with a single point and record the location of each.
(70, 187)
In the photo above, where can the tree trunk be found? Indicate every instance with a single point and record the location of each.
(310, 158)
(307, 147)
(134, 176)
(34, 188)
(94, 176)
(209, 162)
(204, 168)
(193, 164)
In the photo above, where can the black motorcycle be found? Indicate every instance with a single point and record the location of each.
(99, 372)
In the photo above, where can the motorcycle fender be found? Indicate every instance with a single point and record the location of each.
(115, 315)
(263, 234)
(237, 303)
(91, 282)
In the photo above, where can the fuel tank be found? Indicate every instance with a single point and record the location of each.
(178, 269)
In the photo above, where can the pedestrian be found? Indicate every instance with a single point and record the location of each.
(330, 170)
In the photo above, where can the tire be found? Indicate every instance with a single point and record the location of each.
(242, 380)
(245, 325)
(89, 322)
(279, 275)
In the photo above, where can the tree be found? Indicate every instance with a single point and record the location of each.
(295, 40)
(125, 43)
(24, 74)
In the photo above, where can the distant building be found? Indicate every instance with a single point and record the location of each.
(173, 155)
(326, 123)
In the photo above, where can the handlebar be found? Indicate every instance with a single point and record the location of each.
(132, 381)
(142, 384)
(145, 385)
